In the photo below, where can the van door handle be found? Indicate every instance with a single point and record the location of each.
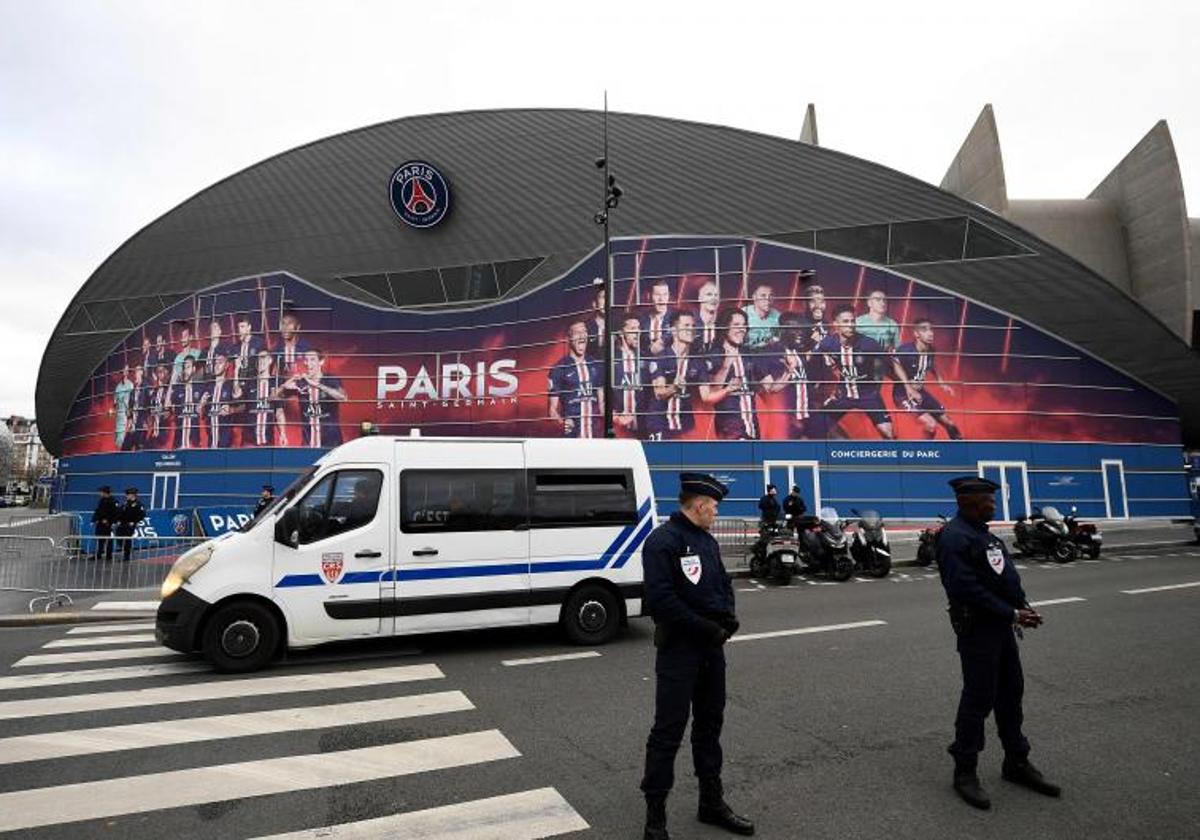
(425, 552)
(370, 554)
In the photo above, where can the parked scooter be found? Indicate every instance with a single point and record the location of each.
(775, 554)
(927, 542)
(1086, 535)
(1045, 532)
(825, 548)
(869, 546)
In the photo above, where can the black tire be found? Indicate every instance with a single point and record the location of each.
(780, 573)
(1094, 550)
(925, 554)
(591, 615)
(1064, 552)
(882, 565)
(843, 568)
(241, 636)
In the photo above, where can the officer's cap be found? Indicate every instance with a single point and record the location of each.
(132, 490)
(104, 488)
(970, 484)
(702, 484)
(771, 487)
(268, 488)
(795, 488)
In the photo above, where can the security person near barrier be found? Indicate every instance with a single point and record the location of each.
(128, 517)
(988, 610)
(104, 517)
(794, 506)
(264, 500)
(690, 596)
(768, 506)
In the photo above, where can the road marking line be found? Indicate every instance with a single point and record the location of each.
(1020, 566)
(747, 589)
(528, 815)
(558, 657)
(26, 809)
(127, 606)
(1051, 602)
(1160, 588)
(100, 641)
(220, 690)
(93, 656)
(96, 629)
(864, 580)
(163, 733)
(802, 631)
(1089, 561)
(49, 679)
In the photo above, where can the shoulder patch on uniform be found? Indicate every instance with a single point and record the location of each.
(692, 569)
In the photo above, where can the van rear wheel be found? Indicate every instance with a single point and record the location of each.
(241, 636)
(591, 616)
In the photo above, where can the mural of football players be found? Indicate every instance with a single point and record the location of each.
(186, 399)
(595, 322)
(121, 392)
(875, 323)
(855, 359)
(187, 350)
(656, 324)
(215, 345)
(675, 377)
(735, 379)
(576, 388)
(814, 313)
(147, 362)
(320, 395)
(265, 411)
(913, 365)
(762, 317)
(139, 404)
(791, 375)
(245, 353)
(706, 325)
(161, 355)
(160, 408)
(292, 347)
(629, 397)
(220, 399)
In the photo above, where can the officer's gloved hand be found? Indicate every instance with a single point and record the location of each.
(730, 623)
(717, 635)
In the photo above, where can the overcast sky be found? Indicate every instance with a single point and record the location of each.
(112, 113)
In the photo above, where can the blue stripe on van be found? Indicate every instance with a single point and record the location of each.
(498, 569)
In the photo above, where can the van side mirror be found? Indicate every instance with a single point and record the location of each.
(286, 529)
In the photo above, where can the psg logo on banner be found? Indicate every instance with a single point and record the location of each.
(420, 194)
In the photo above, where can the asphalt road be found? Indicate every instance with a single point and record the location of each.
(837, 733)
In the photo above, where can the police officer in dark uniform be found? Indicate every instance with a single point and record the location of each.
(103, 518)
(690, 597)
(794, 507)
(265, 500)
(988, 610)
(128, 517)
(768, 506)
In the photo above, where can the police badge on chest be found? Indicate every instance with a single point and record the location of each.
(690, 563)
(995, 556)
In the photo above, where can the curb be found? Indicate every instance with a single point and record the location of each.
(50, 618)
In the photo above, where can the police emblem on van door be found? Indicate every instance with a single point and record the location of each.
(331, 566)
(690, 563)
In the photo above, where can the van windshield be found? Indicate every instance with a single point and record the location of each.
(283, 498)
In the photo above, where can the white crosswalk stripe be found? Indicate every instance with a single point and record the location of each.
(94, 656)
(100, 641)
(122, 627)
(49, 679)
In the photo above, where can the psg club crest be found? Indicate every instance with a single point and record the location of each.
(179, 524)
(331, 566)
(420, 194)
(690, 564)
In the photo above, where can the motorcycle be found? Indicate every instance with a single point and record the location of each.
(927, 542)
(1045, 532)
(825, 548)
(775, 554)
(1085, 535)
(869, 547)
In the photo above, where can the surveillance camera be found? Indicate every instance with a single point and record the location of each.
(601, 162)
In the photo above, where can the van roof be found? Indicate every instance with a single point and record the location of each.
(377, 444)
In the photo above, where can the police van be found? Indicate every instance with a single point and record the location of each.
(388, 536)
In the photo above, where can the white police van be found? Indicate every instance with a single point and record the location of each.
(387, 536)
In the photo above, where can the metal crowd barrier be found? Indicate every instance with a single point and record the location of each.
(735, 536)
(54, 569)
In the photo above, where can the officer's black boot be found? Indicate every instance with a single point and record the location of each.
(715, 811)
(1019, 771)
(656, 819)
(966, 784)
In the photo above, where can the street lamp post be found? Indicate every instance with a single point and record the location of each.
(612, 197)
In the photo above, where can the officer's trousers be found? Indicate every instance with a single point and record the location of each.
(688, 676)
(992, 680)
(104, 542)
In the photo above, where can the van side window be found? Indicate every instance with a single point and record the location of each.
(340, 502)
(444, 501)
(574, 498)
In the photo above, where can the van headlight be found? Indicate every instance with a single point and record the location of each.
(190, 562)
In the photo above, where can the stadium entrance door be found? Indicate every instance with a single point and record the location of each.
(1013, 477)
(803, 474)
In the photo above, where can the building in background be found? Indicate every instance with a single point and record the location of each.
(782, 313)
(30, 466)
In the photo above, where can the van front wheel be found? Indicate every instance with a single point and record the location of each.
(241, 636)
(591, 616)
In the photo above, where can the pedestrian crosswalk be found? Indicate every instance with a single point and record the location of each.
(135, 739)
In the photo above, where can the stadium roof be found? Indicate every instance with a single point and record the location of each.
(524, 194)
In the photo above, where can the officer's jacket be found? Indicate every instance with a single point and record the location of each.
(106, 509)
(131, 514)
(686, 585)
(768, 506)
(976, 570)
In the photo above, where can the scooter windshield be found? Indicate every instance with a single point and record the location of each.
(1051, 514)
(829, 516)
